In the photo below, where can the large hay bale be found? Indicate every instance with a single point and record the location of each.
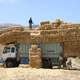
(45, 22)
(34, 47)
(45, 27)
(32, 54)
(35, 62)
(34, 57)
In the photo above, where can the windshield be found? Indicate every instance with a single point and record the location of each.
(6, 50)
(12, 49)
(9, 50)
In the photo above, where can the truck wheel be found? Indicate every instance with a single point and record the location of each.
(18, 62)
(8, 64)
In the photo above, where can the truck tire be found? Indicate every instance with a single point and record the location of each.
(16, 64)
(46, 63)
(8, 64)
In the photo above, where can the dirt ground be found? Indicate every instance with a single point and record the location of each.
(38, 74)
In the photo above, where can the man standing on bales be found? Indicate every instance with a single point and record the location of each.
(30, 23)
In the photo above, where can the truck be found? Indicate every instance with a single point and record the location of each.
(11, 56)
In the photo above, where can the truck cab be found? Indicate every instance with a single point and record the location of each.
(10, 56)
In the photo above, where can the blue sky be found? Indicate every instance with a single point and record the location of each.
(19, 11)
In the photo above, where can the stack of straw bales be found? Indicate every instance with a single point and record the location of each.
(35, 56)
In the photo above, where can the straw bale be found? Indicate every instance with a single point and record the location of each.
(35, 66)
(72, 48)
(36, 63)
(17, 29)
(45, 27)
(53, 26)
(34, 56)
(35, 50)
(34, 47)
(31, 52)
(45, 22)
